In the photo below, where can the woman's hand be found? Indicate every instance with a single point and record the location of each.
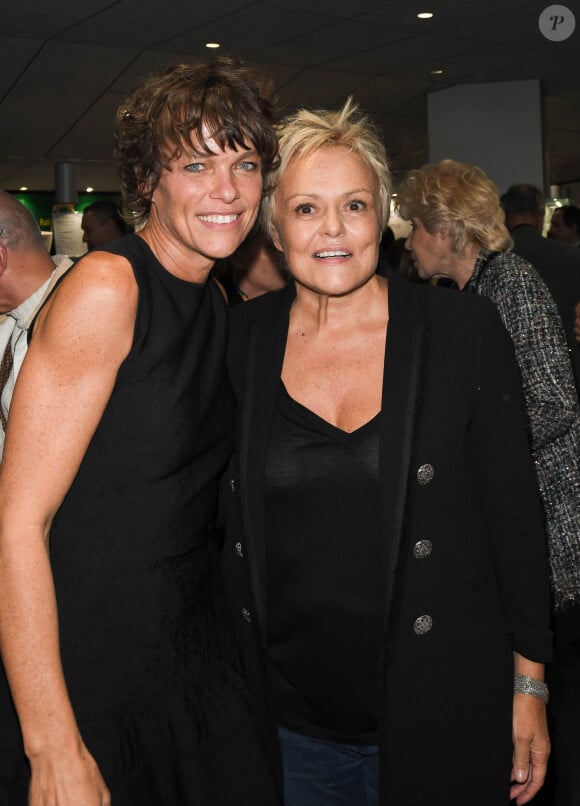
(67, 781)
(531, 747)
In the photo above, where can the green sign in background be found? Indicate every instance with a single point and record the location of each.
(40, 203)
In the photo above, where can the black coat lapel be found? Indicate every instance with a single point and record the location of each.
(267, 344)
(402, 383)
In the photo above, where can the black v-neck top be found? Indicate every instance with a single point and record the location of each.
(324, 572)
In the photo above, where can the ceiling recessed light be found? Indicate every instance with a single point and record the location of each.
(23, 187)
(437, 72)
(425, 15)
(212, 44)
(89, 190)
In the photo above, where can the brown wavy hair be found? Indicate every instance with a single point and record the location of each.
(164, 114)
(459, 199)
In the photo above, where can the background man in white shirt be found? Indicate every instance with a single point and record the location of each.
(27, 276)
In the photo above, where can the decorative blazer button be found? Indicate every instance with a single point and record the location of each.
(233, 485)
(239, 549)
(422, 549)
(422, 625)
(425, 474)
(246, 614)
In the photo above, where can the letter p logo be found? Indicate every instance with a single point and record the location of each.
(557, 23)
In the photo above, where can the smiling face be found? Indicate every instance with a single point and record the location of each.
(204, 205)
(326, 220)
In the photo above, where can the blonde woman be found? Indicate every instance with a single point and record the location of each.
(386, 550)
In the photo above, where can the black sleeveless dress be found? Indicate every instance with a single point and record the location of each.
(147, 652)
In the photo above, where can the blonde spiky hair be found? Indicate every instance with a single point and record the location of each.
(306, 130)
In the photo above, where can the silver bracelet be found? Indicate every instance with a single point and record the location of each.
(524, 684)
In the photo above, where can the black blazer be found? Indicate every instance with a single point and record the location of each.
(465, 565)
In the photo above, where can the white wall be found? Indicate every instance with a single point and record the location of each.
(497, 126)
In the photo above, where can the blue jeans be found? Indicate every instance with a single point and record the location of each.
(322, 773)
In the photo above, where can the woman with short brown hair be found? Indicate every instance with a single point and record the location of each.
(122, 670)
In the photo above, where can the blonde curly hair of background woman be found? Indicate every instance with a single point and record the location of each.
(459, 199)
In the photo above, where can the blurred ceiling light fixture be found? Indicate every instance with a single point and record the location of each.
(425, 15)
(212, 44)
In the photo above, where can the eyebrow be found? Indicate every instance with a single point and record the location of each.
(194, 154)
(305, 194)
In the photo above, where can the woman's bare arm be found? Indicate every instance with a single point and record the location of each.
(81, 339)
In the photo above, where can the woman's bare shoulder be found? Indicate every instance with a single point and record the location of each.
(100, 288)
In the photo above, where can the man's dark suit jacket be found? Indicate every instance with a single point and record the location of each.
(558, 264)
